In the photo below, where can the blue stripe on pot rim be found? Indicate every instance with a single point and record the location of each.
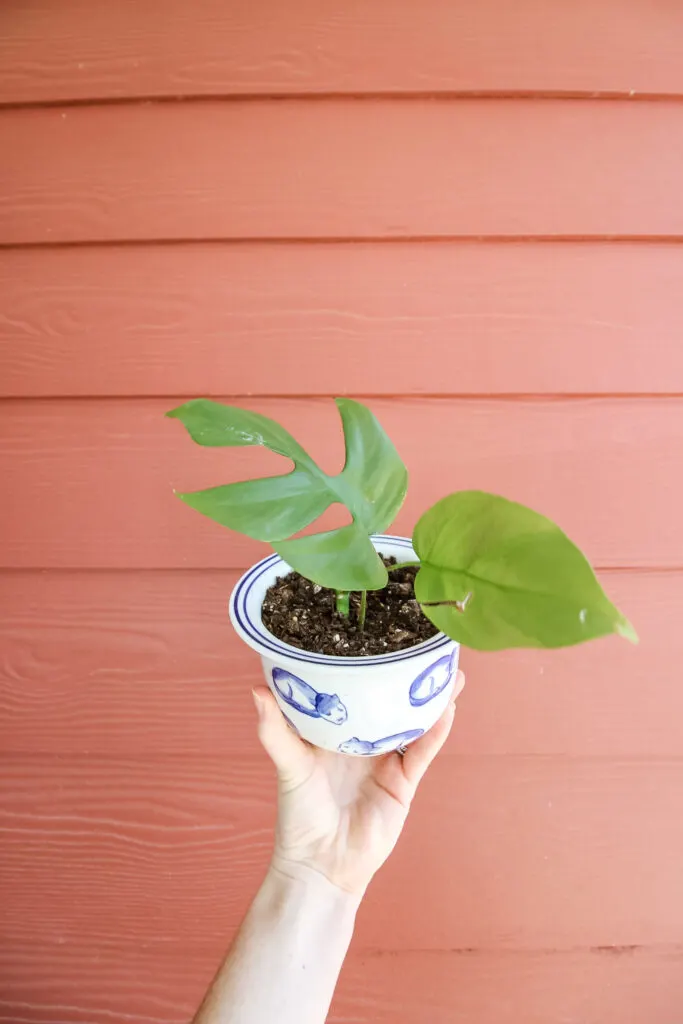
(267, 642)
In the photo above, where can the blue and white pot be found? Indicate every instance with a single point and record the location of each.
(362, 706)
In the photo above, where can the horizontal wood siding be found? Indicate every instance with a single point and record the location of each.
(469, 215)
(90, 49)
(604, 985)
(457, 318)
(341, 168)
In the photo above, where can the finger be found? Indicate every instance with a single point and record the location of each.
(459, 685)
(422, 752)
(290, 755)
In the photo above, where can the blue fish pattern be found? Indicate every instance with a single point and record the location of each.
(301, 696)
(384, 746)
(432, 681)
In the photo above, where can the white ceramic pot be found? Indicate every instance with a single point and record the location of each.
(364, 706)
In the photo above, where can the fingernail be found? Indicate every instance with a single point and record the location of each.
(258, 702)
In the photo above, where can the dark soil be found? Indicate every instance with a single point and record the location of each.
(304, 615)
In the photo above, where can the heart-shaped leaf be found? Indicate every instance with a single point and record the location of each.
(495, 574)
(372, 486)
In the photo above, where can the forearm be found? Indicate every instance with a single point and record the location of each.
(284, 963)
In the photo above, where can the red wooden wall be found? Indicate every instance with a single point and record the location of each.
(470, 213)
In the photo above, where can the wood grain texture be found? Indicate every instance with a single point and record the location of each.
(167, 853)
(457, 318)
(146, 664)
(592, 987)
(69, 983)
(83, 50)
(343, 168)
(434, 218)
(92, 481)
(60, 984)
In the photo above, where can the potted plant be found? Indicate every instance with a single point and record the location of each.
(359, 632)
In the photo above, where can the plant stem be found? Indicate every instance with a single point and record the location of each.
(343, 602)
(460, 605)
(402, 565)
(363, 609)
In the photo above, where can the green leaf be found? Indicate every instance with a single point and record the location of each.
(342, 559)
(522, 581)
(374, 480)
(269, 508)
(371, 486)
(216, 425)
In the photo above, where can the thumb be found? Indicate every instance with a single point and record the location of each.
(422, 752)
(290, 755)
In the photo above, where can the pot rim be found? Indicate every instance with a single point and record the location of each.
(245, 615)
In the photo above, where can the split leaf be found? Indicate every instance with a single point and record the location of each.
(342, 559)
(371, 486)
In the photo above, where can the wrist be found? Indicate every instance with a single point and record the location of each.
(339, 872)
(295, 883)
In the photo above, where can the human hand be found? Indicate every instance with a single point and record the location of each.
(341, 816)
